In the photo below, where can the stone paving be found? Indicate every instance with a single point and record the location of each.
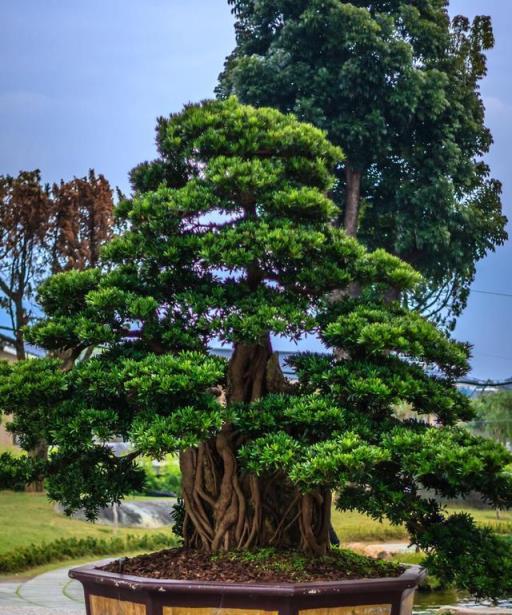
(51, 593)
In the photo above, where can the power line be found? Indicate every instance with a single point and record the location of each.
(493, 356)
(485, 383)
(489, 292)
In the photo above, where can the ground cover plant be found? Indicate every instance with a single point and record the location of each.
(230, 237)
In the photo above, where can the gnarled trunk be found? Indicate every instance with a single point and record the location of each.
(226, 508)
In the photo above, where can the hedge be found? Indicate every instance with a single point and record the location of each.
(63, 549)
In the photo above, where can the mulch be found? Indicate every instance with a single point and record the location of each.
(240, 567)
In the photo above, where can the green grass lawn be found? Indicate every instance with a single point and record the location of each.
(355, 527)
(27, 518)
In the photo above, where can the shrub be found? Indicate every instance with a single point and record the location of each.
(166, 477)
(63, 549)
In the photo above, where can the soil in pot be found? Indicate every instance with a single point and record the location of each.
(259, 566)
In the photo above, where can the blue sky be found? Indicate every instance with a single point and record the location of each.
(82, 82)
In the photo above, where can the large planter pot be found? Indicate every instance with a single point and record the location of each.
(108, 593)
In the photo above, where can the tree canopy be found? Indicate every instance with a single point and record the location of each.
(396, 85)
(231, 237)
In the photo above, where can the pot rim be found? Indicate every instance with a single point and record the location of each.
(409, 579)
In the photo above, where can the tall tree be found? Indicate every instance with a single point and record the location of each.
(231, 237)
(396, 84)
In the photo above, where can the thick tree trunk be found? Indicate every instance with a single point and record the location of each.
(352, 198)
(315, 521)
(226, 508)
(18, 324)
(19, 345)
(247, 375)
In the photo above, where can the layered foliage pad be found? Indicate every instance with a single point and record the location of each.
(396, 84)
(230, 237)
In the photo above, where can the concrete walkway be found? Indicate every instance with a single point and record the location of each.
(51, 593)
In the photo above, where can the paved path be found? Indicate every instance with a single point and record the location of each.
(51, 593)
(383, 550)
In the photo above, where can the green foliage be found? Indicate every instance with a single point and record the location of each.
(378, 329)
(474, 559)
(166, 477)
(33, 388)
(73, 284)
(493, 416)
(178, 517)
(451, 461)
(396, 85)
(24, 558)
(15, 471)
(77, 411)
(381, 464)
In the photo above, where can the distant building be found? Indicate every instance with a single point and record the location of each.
(7, 350)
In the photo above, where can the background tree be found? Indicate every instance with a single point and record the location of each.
(231, 237)
(396, 85)
(493, 416)
(24, 223)
(44, 231)
(82, 222)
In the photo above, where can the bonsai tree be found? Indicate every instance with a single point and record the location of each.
(230, 238)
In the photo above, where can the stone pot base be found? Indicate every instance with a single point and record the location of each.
(108, 593)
